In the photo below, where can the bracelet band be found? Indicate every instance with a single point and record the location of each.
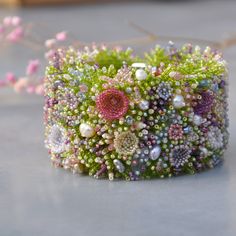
(111, 114)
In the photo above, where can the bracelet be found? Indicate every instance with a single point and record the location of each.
(109, 113)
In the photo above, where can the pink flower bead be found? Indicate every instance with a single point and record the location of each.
(62, 36)
(30, 89)
(39, 89)
(32, 67)
(16, 21)
(50, 54)
(2, 29)
(50, 43)
(7, 20)
(16, 35)
(10, 78)
(20, 85)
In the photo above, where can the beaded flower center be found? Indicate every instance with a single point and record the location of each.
(126, 143)
(175, 131)
(112, 104)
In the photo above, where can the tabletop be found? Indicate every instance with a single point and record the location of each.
(37, 199)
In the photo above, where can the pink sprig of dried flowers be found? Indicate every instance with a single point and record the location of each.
(14, 31)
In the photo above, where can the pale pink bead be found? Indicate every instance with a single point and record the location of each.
(62, 36)
(39, 89)
(2, 29)
(30, 89)
(111, 147)
(94, 46)
(50, 43)
(105, 86)
(83, 88)
(16, 34)
(32, 67)
(103, 47)
(10, 78)
(16, 20)
(175, 75)
(11, 37)
(20, 85)
(50, 54)
(7, 20)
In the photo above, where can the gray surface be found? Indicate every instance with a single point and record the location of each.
(36, 199)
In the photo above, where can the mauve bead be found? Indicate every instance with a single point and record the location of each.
(205, 104)
(141, 145)
(222, 84)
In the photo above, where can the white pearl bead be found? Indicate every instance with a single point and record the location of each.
(144, 105)
(86, 130)
(204, 151)
(178, 101)
(197, 120)
(155, 152)
(138, 65)
(140, 74)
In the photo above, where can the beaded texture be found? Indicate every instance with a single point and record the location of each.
(110, 114)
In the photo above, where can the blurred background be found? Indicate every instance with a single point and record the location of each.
(36, 199)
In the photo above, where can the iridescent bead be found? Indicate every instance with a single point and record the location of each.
(144, 105)
(204, 151)
(128, 90)
(119, 165)
(178, 101)
(197, 120)
(204, 83)
(129, 120)
(155, 152)
(186, 129)
(215, 87)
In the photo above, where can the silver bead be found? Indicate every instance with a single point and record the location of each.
(128, 90)
(144, 105)
(129, 120)
(155, 152)
(204, 151)
(178, 101)
(197, 120)
(119, 165)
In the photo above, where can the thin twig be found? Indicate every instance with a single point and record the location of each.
(174, 38)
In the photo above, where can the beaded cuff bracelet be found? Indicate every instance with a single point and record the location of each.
(111, 114)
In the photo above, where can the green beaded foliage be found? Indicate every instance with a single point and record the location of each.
(111, 114)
